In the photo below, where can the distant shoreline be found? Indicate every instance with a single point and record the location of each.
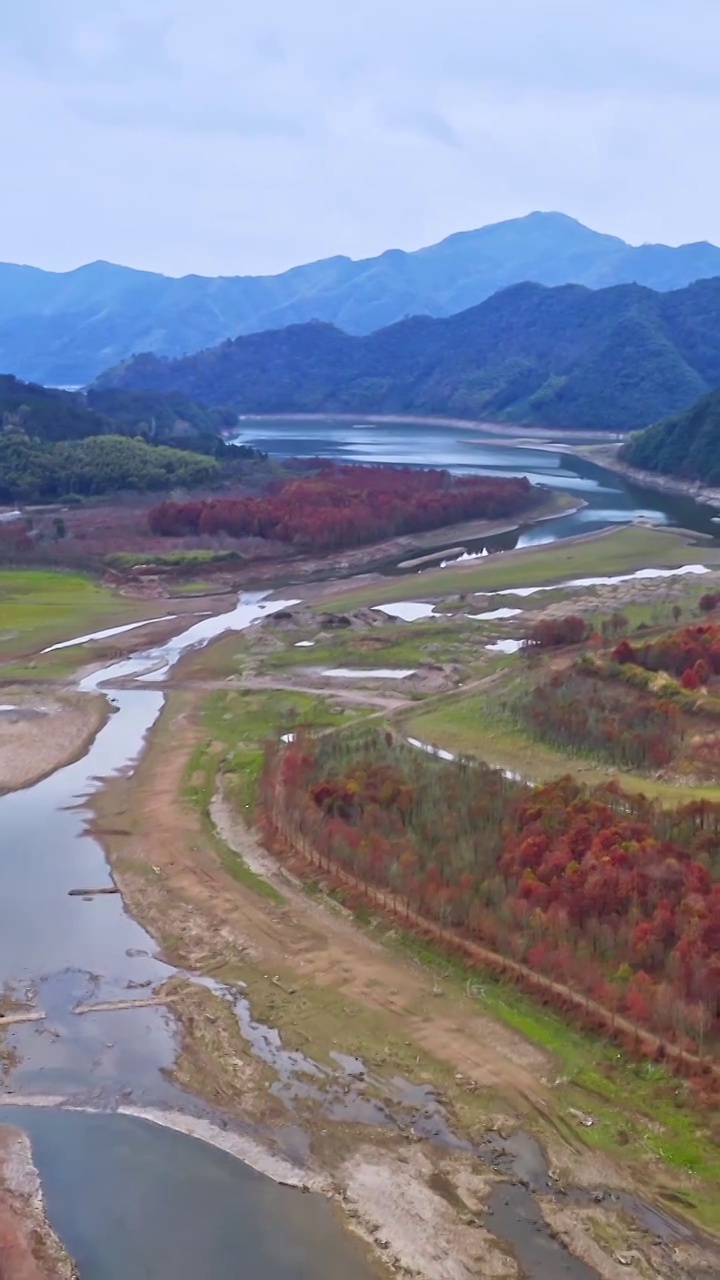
(541, 437)
(510, 432)
(649, 479)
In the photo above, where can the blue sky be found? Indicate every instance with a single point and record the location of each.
(220, 137)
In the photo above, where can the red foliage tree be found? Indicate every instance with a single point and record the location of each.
(347, 506)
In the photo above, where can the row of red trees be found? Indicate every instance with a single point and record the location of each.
(620, 724)
(695, 648)
(601, 891)
(348, 506)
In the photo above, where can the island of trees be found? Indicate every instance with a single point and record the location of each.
(347, 506)
(58, 444)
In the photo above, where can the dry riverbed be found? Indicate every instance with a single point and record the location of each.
(42, 730)
(405, 1096)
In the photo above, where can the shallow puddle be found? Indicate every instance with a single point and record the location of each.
(638, 576)
(108, 633)
(505, 646)
(492, 614)
(407, 610)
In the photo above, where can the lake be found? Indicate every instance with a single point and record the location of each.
(610, 498)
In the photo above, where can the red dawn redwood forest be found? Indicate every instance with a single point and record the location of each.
(340, 506)
(599, 890)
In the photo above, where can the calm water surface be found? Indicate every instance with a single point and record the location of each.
(128, 1198)
(134, 1201)
(611, 499)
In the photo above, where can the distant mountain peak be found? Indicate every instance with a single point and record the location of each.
(64, 328)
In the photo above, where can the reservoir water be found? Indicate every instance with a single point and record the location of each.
(610, 498)
(136, 1200)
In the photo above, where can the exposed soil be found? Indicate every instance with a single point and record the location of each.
(399, 1206)
(44, 731)
(29, 1249)
(620, 1250)
(607, 456)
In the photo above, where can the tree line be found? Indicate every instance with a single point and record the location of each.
(32, 470)
(347, 506)
(599, 889)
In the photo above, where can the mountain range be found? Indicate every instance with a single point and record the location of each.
(64, 328)
(610, 359)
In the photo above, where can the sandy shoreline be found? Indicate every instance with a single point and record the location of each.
(44, 731)
(29, 1248)
(650, 479)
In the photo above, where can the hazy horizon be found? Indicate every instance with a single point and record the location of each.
(405, 248)
(190, 139)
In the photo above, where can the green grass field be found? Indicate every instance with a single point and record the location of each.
(620, 551)
(474, 725)
(41, 606)
(237, 725)
(401, 645)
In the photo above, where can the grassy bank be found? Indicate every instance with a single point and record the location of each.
(641, 1114)
(619, 551)
(236, 725)
(41, 606)
(475, 725)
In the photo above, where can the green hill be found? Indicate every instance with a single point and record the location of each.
(686, 445)
(59, 443)
(614, 359)
(52, 415)
(65, 327)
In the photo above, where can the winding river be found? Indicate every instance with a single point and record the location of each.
(130, 1198)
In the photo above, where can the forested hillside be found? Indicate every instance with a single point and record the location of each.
(64, 328)
(47, 413)
(55, 444)
(686, 445)
(32, 470)
(615, 359)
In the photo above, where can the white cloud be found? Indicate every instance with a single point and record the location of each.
(187, 137)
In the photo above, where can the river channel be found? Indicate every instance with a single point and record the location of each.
(130, 1198)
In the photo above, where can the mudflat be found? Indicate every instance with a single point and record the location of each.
(42, 730)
